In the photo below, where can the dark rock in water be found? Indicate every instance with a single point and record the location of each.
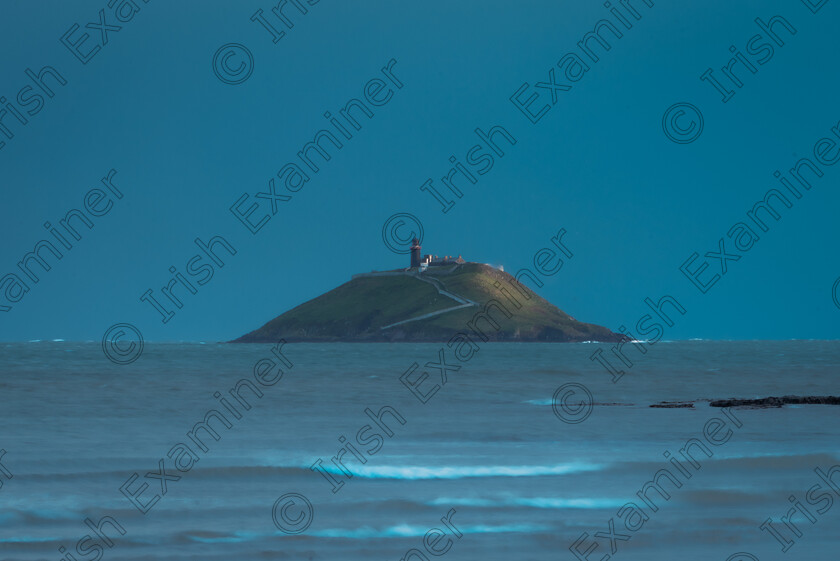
(778, 401)
(673, 404)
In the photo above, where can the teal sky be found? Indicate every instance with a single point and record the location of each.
(635, 205)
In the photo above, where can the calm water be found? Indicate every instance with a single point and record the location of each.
(523, 484)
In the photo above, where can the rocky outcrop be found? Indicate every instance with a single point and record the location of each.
(778, 401)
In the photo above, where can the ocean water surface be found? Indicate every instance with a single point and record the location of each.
(485, 459)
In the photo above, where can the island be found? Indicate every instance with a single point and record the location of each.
(435, 299)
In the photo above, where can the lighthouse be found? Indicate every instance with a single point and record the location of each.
(415, 253)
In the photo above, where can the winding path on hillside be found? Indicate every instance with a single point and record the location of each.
(439, 286)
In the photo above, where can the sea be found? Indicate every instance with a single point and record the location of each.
(522, 451)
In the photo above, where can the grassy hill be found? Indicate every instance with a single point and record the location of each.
(359, 309)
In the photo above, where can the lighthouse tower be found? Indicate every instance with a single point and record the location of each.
(415, 253)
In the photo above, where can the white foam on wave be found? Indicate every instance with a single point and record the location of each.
(26, 539)
(409, 531)
(539, 401)
(534, 502)
(368, 532)
(459, 472)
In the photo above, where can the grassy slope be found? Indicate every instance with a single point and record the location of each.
(356, 310)
(537, 319)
